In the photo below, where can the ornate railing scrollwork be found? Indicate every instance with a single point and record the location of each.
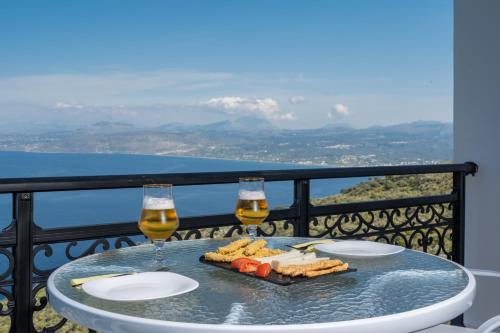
(426, 227)
(48, 252)
(275, 228)
(10, 263)
(238, 229)
(190, 234)
(428, 214)
(45, 322)
(7, 303)
(7, 306)
(90, 250)
(123, 241)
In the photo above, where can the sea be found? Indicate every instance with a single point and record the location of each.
(90, 207)
(58, 209)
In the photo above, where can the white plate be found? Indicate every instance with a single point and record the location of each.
(359, 249)
(141, 286)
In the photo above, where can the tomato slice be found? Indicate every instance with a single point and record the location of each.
(236, 264)
(263, 270)
(248, 267)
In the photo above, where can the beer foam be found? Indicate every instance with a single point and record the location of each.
(251, 195)
(158, 203)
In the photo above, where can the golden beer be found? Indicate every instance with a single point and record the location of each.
(252, 207)
(158, 220)
(158, 224)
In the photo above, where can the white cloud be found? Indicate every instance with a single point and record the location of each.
(341, 109)
(296, 99)
(266, 107)
(231, 104)
(338, 111)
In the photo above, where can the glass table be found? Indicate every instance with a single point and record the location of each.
(404, 292)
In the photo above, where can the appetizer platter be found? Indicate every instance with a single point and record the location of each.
(254, 259)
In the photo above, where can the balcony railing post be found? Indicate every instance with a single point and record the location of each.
(458, 239)
(23, 214)
(459, 217)
(301, 203)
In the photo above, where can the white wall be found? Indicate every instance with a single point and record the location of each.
(477, 138)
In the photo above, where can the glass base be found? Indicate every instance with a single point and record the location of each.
(252, 231)
(160, 262)
(161, 266)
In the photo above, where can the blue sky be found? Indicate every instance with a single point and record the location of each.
(297, 64)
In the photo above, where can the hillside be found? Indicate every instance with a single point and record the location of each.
(392, 187)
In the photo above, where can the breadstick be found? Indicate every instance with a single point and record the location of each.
(296, 270)
(234, 246)
(218, 257)
(253, 247)
(302, 271)
(322, 264)
(213, 256)
(266, 252)
(335, 269)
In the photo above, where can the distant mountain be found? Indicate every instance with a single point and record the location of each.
(239, 124)
(341, 126)
(414, 127)
(175, 127)
(108, 126)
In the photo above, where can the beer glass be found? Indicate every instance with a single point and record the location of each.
(251, 208)
(158, 219)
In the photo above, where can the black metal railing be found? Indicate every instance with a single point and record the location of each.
(430, 223)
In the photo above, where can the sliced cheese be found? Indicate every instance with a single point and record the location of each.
(283, 256)
(300, 258)
(311, 255)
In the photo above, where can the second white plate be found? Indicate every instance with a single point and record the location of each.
(359, 249)
(141, 286)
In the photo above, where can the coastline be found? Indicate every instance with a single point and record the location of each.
(176, 156)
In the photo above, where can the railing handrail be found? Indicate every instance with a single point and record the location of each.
(44, 184)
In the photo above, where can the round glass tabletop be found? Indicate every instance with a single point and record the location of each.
(422, 289)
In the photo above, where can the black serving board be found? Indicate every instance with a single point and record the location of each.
(273, 277)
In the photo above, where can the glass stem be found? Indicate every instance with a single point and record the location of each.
(158, 259)
(252, 231)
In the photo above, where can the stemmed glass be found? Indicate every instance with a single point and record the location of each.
(251, 208)
(158, 219)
